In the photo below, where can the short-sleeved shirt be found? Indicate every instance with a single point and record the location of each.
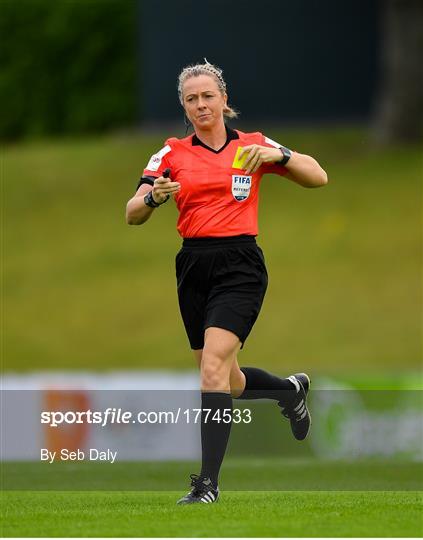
(216, 197)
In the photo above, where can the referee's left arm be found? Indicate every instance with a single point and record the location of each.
(302, 169)
(305, 170)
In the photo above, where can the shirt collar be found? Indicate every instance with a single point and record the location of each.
(231, 134)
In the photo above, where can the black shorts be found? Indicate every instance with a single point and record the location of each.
(221, 282)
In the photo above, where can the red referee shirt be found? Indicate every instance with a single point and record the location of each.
(216, 197)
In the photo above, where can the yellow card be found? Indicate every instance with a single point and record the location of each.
(238, 163)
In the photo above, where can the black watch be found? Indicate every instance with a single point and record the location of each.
(286, 153)
(149, 201)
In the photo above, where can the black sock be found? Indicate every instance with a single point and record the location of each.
(261, 384)
(214, 433)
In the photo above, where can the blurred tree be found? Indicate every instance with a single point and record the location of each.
(67, 66)
(400, 109)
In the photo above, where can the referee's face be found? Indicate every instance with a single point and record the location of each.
(203, 102)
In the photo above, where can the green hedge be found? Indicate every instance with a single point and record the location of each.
(66, 66)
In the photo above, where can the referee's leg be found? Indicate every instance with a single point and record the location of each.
(219, 352)
(290, 393)
(263, 384)
(236, 376)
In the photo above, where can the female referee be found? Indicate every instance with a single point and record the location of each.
(214, 177)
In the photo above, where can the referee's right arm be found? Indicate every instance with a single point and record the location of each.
(137, 212)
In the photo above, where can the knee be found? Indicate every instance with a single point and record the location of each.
(214, 373)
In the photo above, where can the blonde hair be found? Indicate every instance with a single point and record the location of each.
(205, 69)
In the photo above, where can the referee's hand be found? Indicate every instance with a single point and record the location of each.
(256, 155)
(163, 186)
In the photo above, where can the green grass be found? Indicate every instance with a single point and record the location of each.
(85, 291)
(242, 474)
(251, 514)
(372, 498)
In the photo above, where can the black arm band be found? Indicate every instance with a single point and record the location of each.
(145, 180)
(286, 153)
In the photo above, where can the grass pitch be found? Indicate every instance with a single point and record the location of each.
(334, 511)
(274, 514)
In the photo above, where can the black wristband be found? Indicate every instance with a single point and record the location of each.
(149, 201)
(286, 153)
